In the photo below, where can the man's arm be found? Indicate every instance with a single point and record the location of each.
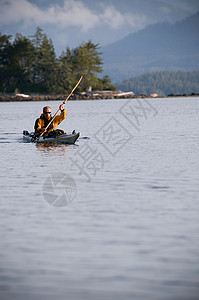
(58, 119)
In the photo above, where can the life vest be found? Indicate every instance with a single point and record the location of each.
(45, 121)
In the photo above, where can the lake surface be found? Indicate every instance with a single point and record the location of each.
(121, 217)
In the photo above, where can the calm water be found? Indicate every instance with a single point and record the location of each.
(131, 229)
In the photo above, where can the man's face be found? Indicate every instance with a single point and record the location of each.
(47, 113)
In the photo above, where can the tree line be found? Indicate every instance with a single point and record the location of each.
(163, 83)
(30, 65)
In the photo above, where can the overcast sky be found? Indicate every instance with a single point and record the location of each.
(70, 22)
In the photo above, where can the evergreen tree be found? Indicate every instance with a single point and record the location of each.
(22, 50)
(65, 72)
(36, 40)
(44, 63)
(48, 66)
(87, 62)
(15, 63)
(106, 84)
(5, 45)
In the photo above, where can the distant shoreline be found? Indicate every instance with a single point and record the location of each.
(14, 98)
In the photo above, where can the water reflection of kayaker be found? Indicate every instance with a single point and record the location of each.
(42, 122)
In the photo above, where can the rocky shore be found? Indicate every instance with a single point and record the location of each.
(85, 96)
(76, 96)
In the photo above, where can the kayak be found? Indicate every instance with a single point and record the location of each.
(64, 138)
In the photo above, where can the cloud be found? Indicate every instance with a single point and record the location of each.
(17, 11)
(112, 17)
(184, 7)
(72, 13)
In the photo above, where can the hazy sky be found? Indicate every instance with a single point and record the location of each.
(69, 22)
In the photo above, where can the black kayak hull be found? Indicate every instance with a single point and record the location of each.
(64, 138)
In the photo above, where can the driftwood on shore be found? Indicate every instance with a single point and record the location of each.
(83, 96)
(76, 96)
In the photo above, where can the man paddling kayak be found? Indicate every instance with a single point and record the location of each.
(45, 118)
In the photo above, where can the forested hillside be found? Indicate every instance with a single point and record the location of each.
(162, 83)
(31, 66)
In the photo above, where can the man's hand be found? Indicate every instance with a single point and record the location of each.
(61, 107)
(43, 130)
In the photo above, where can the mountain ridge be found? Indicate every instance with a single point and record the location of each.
(157, 47)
